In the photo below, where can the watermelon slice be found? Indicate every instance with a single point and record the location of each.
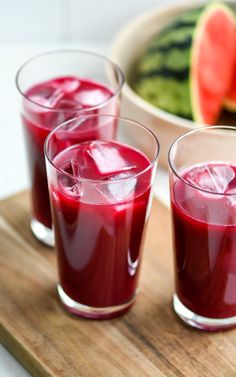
(188, 67)
(230, 99)
(213, 62)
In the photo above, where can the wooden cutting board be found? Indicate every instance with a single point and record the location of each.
(147, 341)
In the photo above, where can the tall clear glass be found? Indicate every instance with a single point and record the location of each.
(101, 194)
(203, 201)
(54, 87)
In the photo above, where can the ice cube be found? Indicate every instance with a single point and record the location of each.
(48, 98)
(68, 104)
(124, 188)
(53, 95)
(69, 86)
(72, 190)
(54, 98)
(120, 175)
(41, 101)
(69, 185)
(107, 158)
(91, 97)
(214, 178)
(75, 168)
(67, 112)
(112, 191)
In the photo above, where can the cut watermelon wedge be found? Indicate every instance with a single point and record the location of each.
(212, 62)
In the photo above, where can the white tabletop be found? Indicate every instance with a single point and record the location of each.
(12, 157)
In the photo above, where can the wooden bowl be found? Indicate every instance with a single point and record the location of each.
(128, 45)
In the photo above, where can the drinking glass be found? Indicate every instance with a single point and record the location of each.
(55, 87)
(100, 194)
(203, 201)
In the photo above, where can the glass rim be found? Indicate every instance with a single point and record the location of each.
(70, 51)
(101, 181)
(181, 137)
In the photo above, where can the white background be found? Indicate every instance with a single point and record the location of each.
(33, 21)
(29, 27)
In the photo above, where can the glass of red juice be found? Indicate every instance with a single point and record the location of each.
(55, 87)
(203, 202)
(100, 192)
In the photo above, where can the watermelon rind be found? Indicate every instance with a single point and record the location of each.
(162, 74)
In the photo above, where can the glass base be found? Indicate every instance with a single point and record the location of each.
(200, 322)
(42, 233)
(91, 312)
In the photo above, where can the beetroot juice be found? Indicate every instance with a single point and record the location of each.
(99, 226)
(204, 227)
(54, 87)
(59, 99)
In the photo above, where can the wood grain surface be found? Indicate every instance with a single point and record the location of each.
(147, 341)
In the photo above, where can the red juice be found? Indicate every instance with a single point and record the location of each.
(57, 100)
(204, 228)
(99, 225)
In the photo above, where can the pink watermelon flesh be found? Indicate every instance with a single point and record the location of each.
(213, 68)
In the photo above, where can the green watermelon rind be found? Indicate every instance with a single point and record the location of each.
(197, 35)
(170, 61)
